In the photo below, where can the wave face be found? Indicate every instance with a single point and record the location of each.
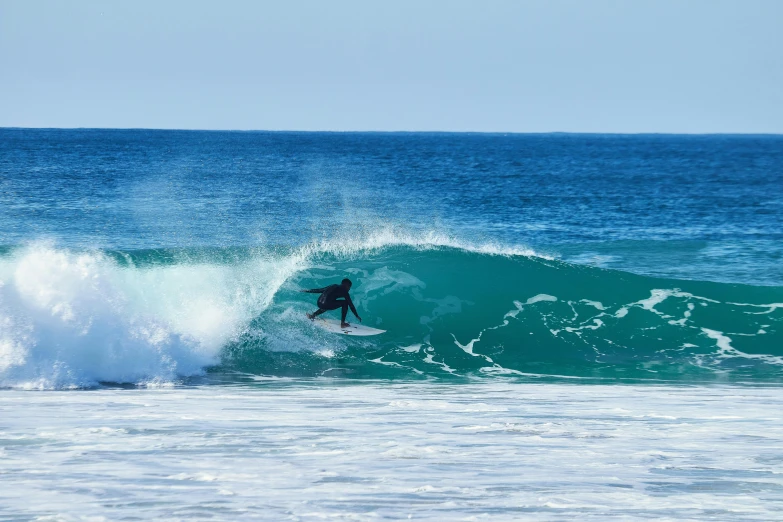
(75, 319)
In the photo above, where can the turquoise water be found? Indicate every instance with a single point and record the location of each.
(82, 318)
(578, 326)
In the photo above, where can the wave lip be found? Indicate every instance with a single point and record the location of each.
(390, 237)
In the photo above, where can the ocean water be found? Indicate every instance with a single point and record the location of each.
(578, 326)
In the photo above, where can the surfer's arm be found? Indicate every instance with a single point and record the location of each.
(314, 291)
(353, 308)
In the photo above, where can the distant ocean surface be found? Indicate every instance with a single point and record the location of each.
(588, 309)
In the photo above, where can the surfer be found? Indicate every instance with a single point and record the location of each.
(329, 300)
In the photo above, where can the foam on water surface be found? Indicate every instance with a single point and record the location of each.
(320, 449)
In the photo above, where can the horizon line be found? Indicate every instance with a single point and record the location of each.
(281, 131)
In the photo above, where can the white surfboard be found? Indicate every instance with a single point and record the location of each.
(333, 325)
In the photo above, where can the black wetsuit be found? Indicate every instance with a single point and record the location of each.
(330, 299)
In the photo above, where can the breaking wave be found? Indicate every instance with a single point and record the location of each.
(451, 310)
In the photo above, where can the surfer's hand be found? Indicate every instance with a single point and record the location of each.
(359, 318)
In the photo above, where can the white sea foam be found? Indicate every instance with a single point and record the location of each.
(393, 451)
(658, 296)
(75, 318)
(519, 307)
(726, 350)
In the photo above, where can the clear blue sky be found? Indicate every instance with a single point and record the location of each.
(489, 65)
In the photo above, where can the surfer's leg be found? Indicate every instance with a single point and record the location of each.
(334, 305)
(325, 306)
(316, 313)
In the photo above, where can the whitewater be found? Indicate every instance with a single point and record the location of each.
(578, 326)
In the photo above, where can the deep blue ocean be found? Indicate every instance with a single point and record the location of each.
(578, 327)
(132, 255)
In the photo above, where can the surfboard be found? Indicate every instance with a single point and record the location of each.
(333, 325)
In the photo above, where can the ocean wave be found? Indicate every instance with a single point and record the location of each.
(451, 310)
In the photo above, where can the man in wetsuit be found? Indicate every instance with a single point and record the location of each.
(329, 300)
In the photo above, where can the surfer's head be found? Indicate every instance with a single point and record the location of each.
(347, 284)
